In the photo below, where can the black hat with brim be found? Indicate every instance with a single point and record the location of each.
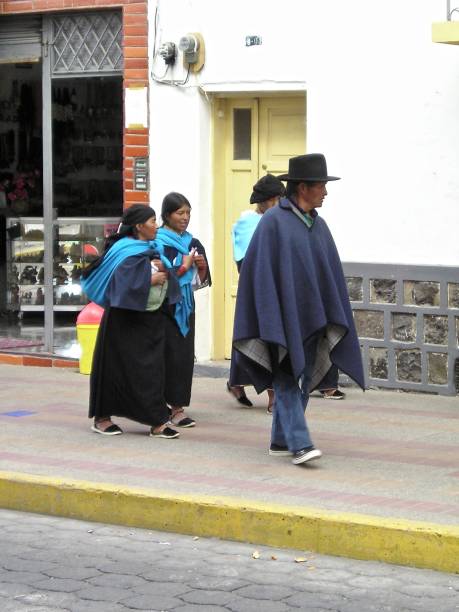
(310, 167)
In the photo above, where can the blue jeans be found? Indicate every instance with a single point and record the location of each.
(289, 426)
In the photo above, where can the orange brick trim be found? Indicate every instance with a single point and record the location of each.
(132, 197)
(10, 359)
(135, 30)
(135, 41)
(135, 63)
(37, 360)
(41, 362)
(135, 139)
(136, 8)
(133, 151)
(136, 74)
(65, 363)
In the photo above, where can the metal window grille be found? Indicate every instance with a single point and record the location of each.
(87, 43)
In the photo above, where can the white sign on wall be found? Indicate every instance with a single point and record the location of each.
(136, 107)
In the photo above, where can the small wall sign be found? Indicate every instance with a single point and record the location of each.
(141, 173)
(250, 41)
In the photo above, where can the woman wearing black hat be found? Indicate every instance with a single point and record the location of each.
(266, 194)
(128, 372)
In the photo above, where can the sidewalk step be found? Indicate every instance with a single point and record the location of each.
(356, 536)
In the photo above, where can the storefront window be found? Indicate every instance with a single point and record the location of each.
(61, 179)
(87, 146)
(21, 190)
(21, 194)
(77, 243)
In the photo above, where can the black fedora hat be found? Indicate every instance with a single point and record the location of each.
(310, 167)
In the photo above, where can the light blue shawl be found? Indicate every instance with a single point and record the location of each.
(242, 233)
(95, 285)
(181, 243)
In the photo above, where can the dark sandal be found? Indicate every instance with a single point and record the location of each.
(185, 422)
(167, 433)
(242, 399)
(336, 395)
(111, 430)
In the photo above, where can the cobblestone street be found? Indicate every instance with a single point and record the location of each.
(52, 564)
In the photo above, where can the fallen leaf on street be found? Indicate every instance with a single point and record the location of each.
(256, 555)
(300, 559)
(196, 538)
(273, 557)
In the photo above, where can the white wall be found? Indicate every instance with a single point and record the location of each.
(382, 104)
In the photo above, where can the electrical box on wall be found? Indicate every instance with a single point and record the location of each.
(193, 49)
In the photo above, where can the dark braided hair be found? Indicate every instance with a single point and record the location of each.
(135, 214)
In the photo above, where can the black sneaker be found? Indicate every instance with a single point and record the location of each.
(306, 454)
(280, 451)
(167, 433)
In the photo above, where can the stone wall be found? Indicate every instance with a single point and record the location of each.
(407, 320)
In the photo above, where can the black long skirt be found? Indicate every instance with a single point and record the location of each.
(179, 360)
(238, 376)
(128, 368)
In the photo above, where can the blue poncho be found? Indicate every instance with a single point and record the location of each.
(292, 287)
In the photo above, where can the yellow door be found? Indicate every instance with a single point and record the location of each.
(252, 136)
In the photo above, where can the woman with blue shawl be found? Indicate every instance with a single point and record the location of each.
(178, 244)
(131, 280)
(266, 194)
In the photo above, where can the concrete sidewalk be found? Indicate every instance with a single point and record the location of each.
(386, 488)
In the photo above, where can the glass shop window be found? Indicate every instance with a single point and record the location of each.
(87, 147)
(21, 190)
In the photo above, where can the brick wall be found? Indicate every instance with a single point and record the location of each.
(135, 50)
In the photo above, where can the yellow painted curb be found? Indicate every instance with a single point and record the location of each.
(357, 536)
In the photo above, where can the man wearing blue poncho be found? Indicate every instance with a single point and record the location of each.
(293, 317)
